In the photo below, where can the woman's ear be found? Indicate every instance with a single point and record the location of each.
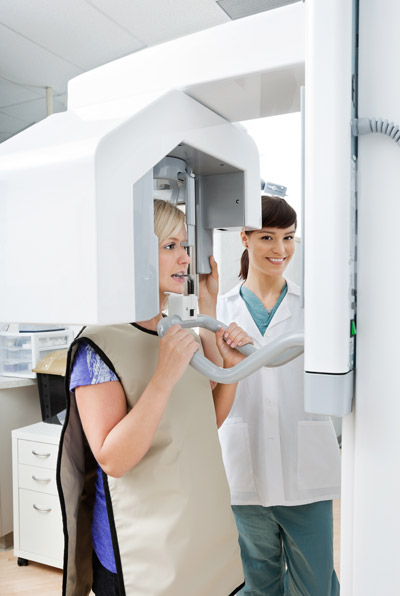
(244, 238)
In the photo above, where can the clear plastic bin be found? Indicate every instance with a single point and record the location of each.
(21, 352)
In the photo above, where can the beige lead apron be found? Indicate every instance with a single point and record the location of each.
(174, 530)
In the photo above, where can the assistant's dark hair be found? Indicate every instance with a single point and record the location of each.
(276, 213)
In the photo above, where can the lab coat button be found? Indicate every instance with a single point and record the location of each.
(268, 333)
(269, 402)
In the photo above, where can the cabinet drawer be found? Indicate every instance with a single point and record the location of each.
(39, 479)
(40, 528)
(34, 453)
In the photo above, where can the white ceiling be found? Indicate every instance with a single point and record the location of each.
(44, 43)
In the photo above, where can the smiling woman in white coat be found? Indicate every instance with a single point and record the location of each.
(283, 465)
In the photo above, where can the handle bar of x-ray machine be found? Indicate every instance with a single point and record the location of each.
(284, 349)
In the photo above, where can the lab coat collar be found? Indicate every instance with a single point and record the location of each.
(234, 292)
(281, 314)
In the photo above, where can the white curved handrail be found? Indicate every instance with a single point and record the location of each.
(280, 351)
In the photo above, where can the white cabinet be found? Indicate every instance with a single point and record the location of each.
(38, 534)
(19, 406)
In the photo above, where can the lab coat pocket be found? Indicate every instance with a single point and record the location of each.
(318, 455)
(235, 443)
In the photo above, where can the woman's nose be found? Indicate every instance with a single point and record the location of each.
(184, 256)
(279, 247)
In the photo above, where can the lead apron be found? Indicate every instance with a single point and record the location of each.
(174, 531)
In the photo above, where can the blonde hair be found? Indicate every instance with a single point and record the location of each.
(168, 220)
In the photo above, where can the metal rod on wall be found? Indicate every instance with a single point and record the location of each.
(49, 101)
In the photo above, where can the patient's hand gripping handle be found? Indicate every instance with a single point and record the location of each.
(284, 349)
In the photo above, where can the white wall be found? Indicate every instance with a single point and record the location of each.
(278, 139)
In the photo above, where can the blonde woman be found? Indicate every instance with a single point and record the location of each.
(142, 484)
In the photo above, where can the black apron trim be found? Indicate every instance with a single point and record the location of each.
(144, 329)
(58, 476)
(76, 341)
(98, 351)
(237, 589)
(110, 513)
(58, 473)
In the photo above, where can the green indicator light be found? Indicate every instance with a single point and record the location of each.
(353, 330)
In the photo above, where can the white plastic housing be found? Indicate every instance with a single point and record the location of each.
(67, 203)
(246, 68)
(328, 223)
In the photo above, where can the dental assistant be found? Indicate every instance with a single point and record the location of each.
(283, 465)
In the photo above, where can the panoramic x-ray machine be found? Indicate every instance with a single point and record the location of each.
(76, 240)
(80, 188)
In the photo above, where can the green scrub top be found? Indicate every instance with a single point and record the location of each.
(261, 315)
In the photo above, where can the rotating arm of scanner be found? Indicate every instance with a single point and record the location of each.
(284, 349)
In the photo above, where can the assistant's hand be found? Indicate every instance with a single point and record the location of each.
(227, 340)
(208, 290)
(175, 351)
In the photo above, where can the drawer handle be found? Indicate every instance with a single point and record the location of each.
(41, 510)
(40, 454)
(40, 479)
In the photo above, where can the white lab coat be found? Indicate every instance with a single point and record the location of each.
(274, 453)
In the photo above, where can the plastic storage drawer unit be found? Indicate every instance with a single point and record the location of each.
(21, 352)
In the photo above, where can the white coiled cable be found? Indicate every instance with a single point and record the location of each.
(364, 126)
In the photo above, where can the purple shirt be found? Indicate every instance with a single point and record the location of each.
(89, 369)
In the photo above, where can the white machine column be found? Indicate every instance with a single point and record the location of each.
(329, 209)
(371, 438)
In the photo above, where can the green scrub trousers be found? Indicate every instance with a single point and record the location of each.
(287, 551)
